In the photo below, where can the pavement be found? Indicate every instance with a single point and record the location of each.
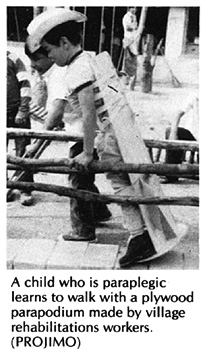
(32, 232)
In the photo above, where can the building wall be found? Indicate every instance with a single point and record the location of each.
(184, 68)
(176, 31)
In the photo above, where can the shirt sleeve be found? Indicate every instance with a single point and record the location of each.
(57, 87)
(79, 75)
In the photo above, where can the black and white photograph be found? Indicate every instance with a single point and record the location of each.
(102, 248)
(102, 137)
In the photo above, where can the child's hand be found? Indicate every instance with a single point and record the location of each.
(20, 120)
(31, 149)
(81, 161)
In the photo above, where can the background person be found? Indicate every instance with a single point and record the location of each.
(130, 25)
(18, 98)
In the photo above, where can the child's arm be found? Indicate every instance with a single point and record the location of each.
(25, 91)
(53, 119)
(87, 104)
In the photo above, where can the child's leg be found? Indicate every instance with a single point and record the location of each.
(108, 150)
(85, 214)
(132, 217)
(140, 246)
(81, 212)
(20, 144)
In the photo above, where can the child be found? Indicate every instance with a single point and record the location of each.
(18, 98)
(84, 216)
(58, 31)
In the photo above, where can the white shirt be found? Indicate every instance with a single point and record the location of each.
(130, 24)
(54, 79)
(56, 86)
(80, 74)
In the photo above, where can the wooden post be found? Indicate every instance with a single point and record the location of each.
(17, 25)
(193, 174)
(84, 27)
(101, 29)
(147, 68)
(141, 26)
(140, 29)
(88, 196)
(107, 166)
(112, 33)
(64, 136)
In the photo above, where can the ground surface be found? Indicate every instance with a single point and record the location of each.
(49, 217)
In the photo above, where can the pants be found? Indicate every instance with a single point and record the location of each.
(129, 63)
(177, 156)
(84, 213)
(21, 142)
(108, 149)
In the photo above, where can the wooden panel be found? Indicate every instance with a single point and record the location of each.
(159, 220)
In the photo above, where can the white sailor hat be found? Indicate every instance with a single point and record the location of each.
(47, 20)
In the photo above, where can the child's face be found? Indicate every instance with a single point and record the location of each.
(59, 54)
(42, 63)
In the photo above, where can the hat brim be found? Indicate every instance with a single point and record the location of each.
(46, 21)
